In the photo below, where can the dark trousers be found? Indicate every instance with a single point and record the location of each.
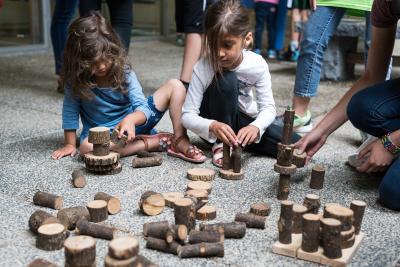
(121, 14)
(221, 103)
(265, 14)
(376, 111)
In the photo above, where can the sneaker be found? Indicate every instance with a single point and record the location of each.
(295, 55)
(302, 124)
(271, 54)
(257, 51)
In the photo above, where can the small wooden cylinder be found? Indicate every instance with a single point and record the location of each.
(205, 236)
(122, 248)
(285, 154)
(113, 203)
(80, 251)
(358, 208)
(207, 212)
(288, 119)
(70, 216)
(162, 245)
(185, 213)
(201, 250)
(299, 159)
(236, 159)
(317, 177)
(201, 174)
(147, 162)
(199, 185)
(285, 222)
(283, 187)
(199, 194)
(155, 229)
(40, 217)
(48, 200)
(226, 157)
(310, 232)
(343, 214)
(251, 220)
(83, 227)
(230, 230)
(331, 238)
(51, 236)
(97, 210)
(298, 211)
(99, 135)
(312, 203)
(78, 178)
(101, 149)
(171, 197)
(261, 209)
(151, 203)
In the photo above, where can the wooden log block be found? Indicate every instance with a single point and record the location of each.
(347, 243)
(80, 251)
(155, 229)
(331, 238)
(283, 187)
(145, 154)
(201, 250)
(317, 177)
(196, 237)
(312, 203)
(39, 218)
(101, 168)
(358, 207)
(48, 200)
(207, 212)
(122, 248)
(347, 238)
(230, 230)
(99, 135)
(260, 208)
(41, 263)
(147, 162)
(343, 214)
(145, 262)
(197, 204)
(91, 160)
(177, 232)
(298, 211)
(288, 119)
(97, 210)
(70, 216)
(310, 232)
(285, 222)
(78, 178)
(83, 227)
(199, 185)
(115, 170)
(201, 174)
(185, 213)
(236, 159)
(251, 220)
(231, 175)
(285, 155)
(226, 157)
(51, 236)
(171, 197)
(119, 141)
(198, 194)
(101, 149)
(162, 245)
(151, 203)
(286, 170)
(299, 159)
(111, 262)
(113, 203)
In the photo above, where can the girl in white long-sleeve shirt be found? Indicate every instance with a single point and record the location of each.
(220, 105)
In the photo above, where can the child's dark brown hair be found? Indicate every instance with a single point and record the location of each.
(91, 40)
(225, 17)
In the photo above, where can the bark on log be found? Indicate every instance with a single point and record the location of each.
(287, 170)
(118, 141)
(201, 174)
(261, 209)
(198, 194)
(310, 232)
(101, 168)
(312, 203)
(199, 185)
(185, 213)
(288, 119)
(196, 237)
(92, 160)
(171, 197)
(155, 229)
(207, 212)
(299, 159)
(48, 200)
(39, 218)
(197, 204)
(358, 207)
(51, 236)
(236, 159)
(162, 245)
(147, 162)
(117, 168)
(97, 210)
(285, 155)
(347, 243)
(145, 154)
(151, 203)
(251, 220)
(111, 262)
(283, 187)
(99, 135)
(41, 263)
(343, 214)
(84, 227)
(145, 262)
(80, 251)
(347, 238)
(201, 250)
(226, 157)
(70, 216)
(101, 149)
(78, 178)
(317, 177)
(331, 238)
(122, 248)
(285, 222)
(231, 175)
(298, 212)
(230, 230)
(177, 233)
(113, 203)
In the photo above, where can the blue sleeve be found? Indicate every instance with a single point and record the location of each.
(70, 112)
(136, 96)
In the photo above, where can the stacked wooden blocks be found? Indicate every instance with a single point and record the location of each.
(231, 163)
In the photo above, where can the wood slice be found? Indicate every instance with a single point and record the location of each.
(171, 197)
(312, 203)
(343, 214)
(92, 160)
(145, 262)
(97, 210)
(198, 194)
(101, 149)
(162, 245)
(185, 213)
(285, 222)
(83, 227)
(347, 238)
(101, 168)
(199, 185)
(288, 119)
(283, 187)
(197, 204)
(207, 212)
(310, 232)
(331, 238)
(299, 159)
(147, 162)
(99, 135)
(287, 170)
(226, 157)
(48, 200)
(201, 250)
(115, 170)
(230, 230)
(70, 216)
(231, 175)
(151, 203)
(51, 236)
(41, 263)
(118, 141)
(111, 262)
(358, 207)
(317, 177)
(298, 212)
(113, 203)
(251, 220)
(155, 229)
(80, 251)
(196, 237)
(123, 248)
(78, 178)
(236, 159)
(347, 243)
(39, 218)
(201, 174)
(285, 155)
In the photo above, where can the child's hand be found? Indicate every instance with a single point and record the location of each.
(224, 133)
(64, 151)
(248, 134)
(126, 125)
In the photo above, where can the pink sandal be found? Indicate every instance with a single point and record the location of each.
(189, 155)
(164, 141)
(217, 154)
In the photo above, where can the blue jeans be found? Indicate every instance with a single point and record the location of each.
(280, 25)
(376, 111)
(265, 13)
(64, 11)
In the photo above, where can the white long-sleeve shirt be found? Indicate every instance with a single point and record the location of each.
(252, 73)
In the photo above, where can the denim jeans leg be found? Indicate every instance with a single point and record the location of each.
(271, 27)
(121, 13)
(318, 31)
(389, 189)
(280, 25)
(260, 20)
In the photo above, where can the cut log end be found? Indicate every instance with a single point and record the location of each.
(201, 174)
(231, 175)
(200, 185)
(99, 135)
(123, 248)
(171, 197)
(151, 203)
(262, 209)
(207, 212)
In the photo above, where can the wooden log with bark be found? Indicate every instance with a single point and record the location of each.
(80, 251)
(199, 185)
(236, 158)
(205, 236)
(163, 230)
(343, 214)
(70, 216)
(331, 238)
(285, 155)
(201, 250)
(286, 170)
(317, 177)
(111, 262)
(41, 263)
(97, 210)
(78, 178)
(101, 149)
(288, 119)
(171, 197)
(198, 194)
(310, 232)
(83, 227)
(358, 207)
(347, 238)
(185, 213)
(99, 135)
(122, 248)
(251, 220)
(207, 212)
(162, 245)
(48, 200)
(113, 203)
(260, 208)
(283, 187)
(298, 212)
(51, 236)
(285, 222)
(146, 162)
(91, 160)
(201, 174)
(40, 217)
(151, 203)
(299, 159)
(312, 203)
(226, 157)
(230, 230)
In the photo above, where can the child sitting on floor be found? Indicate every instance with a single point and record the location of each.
(101, 88)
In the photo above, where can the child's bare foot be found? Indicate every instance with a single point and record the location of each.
(183, 149)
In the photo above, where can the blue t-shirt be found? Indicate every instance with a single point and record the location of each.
(106, 108)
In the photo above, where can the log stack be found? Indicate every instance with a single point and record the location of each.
(231, 163)
(122, 252)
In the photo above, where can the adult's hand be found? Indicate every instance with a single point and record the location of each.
(311, 143)
(379, 158)
(224, 133)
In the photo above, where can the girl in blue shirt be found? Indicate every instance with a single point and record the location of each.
(101, 88)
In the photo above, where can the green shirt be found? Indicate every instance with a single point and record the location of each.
(361, 5)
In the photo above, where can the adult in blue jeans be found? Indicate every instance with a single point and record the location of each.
(372, 105)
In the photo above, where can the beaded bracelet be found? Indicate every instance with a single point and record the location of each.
(389, 145)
